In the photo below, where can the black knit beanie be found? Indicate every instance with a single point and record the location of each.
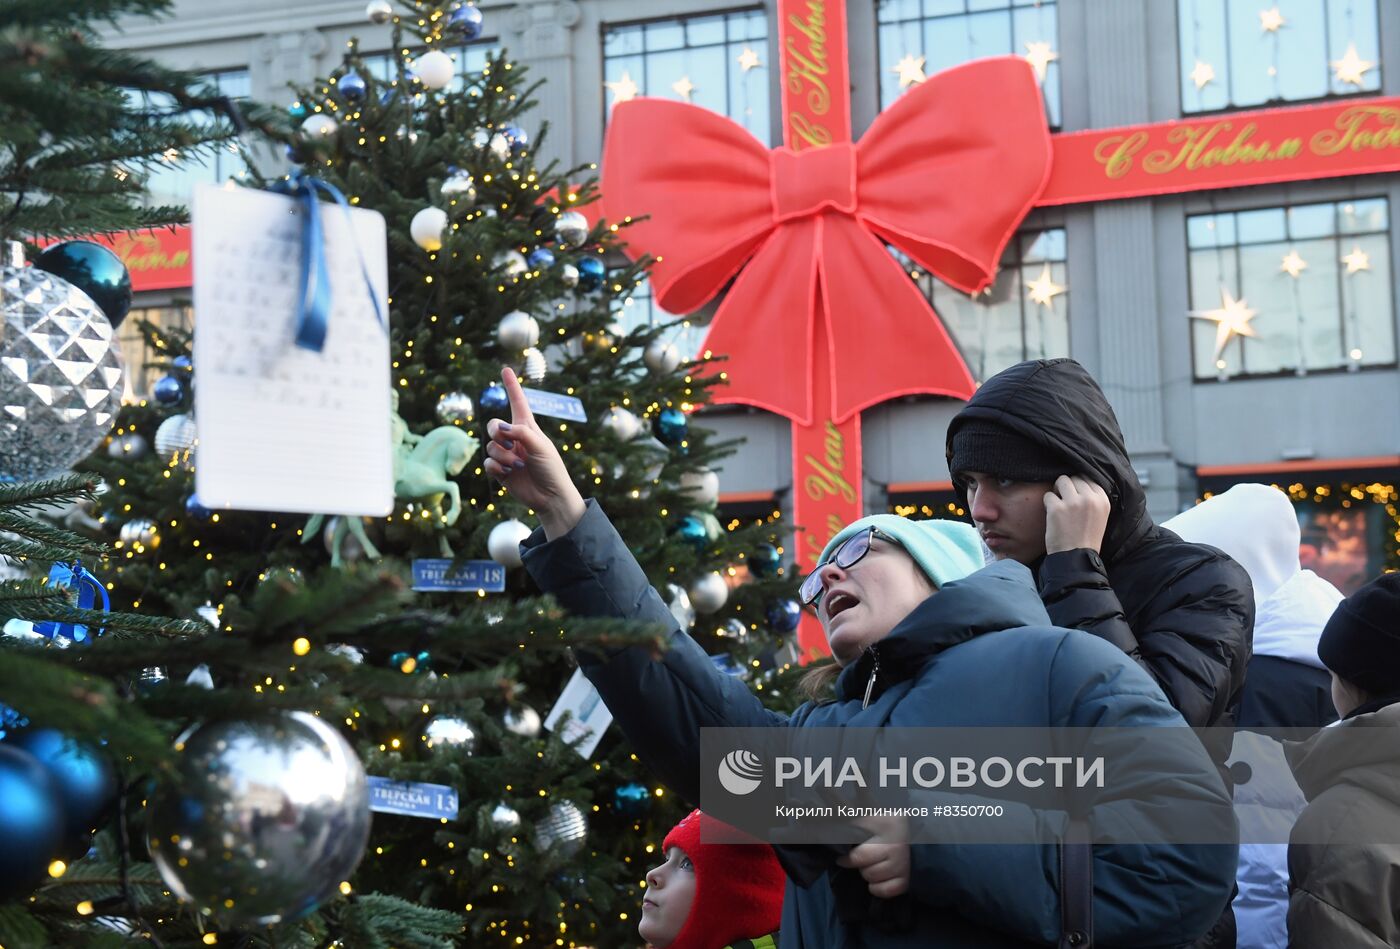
(986, 447)
(1361, 642)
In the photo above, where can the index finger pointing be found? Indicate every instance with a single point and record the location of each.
(520, 413)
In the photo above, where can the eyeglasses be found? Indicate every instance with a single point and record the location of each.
(846, 556)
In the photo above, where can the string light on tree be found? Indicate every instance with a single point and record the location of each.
(1040, 56)
(1351, 68)
(910, 70)
(1231, 319)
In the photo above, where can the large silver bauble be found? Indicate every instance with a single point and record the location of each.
(513, 262)
(268, 817)
(60, 374)
(319, 126)
(661, 358)
(522, 720)
(455, 408)
(571, 229)
(445, 731)
(569, 274)
(709, 593)
(518, 330)
(176, 439)
(504, 818)
(503, 543)
(563, 830)
(379, 11)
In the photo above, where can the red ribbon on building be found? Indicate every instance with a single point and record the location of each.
(821, 320)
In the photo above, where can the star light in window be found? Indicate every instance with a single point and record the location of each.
(1231, 319)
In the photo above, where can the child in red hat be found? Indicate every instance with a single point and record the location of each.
(712, 895)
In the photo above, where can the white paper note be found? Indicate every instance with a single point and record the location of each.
(283, 428)
(588, 716)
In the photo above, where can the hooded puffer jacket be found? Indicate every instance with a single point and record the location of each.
(1184, 612)
(980, 652)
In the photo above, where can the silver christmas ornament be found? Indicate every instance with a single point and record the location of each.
(459, 187)
(350, 547)
(60, 372)
(444, 731)
(140, 532)
(735, 629)
(269, 817)
(130, 445)
(455, 408)
(681, 608)
(347, 652)
(661, 358)
(563, 830)
(709, 593)
(379, 11)
(569, 274)
(536, 366)
(176, 439)
(427, 228)
(623, 424)
(702, 487)
(513, 262)
(523, 721)
(503, 543)
(518, 330)
(319, 125)
(571, 229)
(500, 147)
(504, 818)
(200, 677)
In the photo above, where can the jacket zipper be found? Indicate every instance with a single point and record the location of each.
(870, 683)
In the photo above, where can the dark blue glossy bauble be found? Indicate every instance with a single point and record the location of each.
(352, 86)
(516, 136)
(493, 399)
(466, 21)
(541, 258)
(783, 615)
(590, 273)
(632, 799)
(168, 390)
(83, 779)
(183, 363)
(671, 426)
(196, 510)
(93, 269)
(31, 822)
(765, 560)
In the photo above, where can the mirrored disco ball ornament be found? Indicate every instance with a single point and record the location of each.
(268, 818)
(504, 818)
(455, 408)
(60, 372)
(571, 229)
(175, 439)
(563, 830)
(446, 731)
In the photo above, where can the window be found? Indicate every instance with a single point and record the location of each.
(471, 59)
(922, 37)
(1244, 53)
(137, 356)
(719, 61)
(1311, 283)
(1023, 315)
(175, 183)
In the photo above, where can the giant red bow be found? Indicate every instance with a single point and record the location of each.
(945, 174)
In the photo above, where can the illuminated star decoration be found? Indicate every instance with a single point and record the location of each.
(1351, 67)
(1044, 289)
(1271, 20)
(1231, 319)
(1203, 74)
(1040, 56)
(910, 69)
(624, 90)
(748, 59)
(1358, 260)
(1293, 265)
(683, 87)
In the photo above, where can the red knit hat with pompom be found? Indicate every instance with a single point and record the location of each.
(738, 887)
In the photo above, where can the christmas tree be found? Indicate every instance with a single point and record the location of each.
(311, 632)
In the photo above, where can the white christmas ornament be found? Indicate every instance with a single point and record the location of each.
(427, 227)
(709, 593)
(702, 487)
(503, 543)
(661, 358)
(514, 263)
(536, 366)
(176, 438)
(319, 125)
(623, 424)
(379, 11)
(571, 229)
(500, 146)
(435, 68)
(518, 330)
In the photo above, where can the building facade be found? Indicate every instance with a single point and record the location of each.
(1134, 289)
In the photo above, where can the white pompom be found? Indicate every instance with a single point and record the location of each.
(427, 227)
(503, 543)
(435, 68)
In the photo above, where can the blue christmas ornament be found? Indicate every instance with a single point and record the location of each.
(10, 719)
(31, 822)
(590, 273)
(75, 577)
(465, 21)
(168, 391)
(493, 399)
(692, 531)
(352, 86)
(409, 664)
(387, 96)
(93, 269)
(83, 778)
(196, 510)
(765, 560)
(670, 426)
(183, 363)
(632, 799)
(783, 615)
(516, 136)
(541, 258)
(297, 111)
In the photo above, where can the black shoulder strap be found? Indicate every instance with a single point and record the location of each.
(1077, 887)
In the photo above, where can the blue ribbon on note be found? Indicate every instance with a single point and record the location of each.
(74, 576)
(314, 301)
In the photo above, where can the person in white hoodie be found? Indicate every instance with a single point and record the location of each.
(1286, 685)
